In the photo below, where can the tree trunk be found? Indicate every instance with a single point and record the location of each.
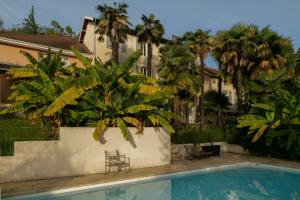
(219, 100)
(175, 108)
(115, 52)
(115, 45)
(149, 59)
(201, 99)
(187, 114)
(239, 90)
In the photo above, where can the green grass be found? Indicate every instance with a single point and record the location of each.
(17, 129)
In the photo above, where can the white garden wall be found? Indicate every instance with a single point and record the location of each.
(77, 153)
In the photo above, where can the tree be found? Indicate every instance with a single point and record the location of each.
(114, 96)
(1, 23)
(57, 29)
(36, 87)
(212, 100)
(232, 49)
(297, 70)
(30, 25)
(179, 75)
(244, 52)
(276, 111)
(200, 44)
(150, 32)
(113, 22)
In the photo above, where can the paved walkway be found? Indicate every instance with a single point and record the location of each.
(28, 187)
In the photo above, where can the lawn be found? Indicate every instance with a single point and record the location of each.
(17, 129)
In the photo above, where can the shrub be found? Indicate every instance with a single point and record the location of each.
(196, 135)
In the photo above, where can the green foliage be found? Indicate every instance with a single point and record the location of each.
(196, 135)
(276, 113)
(244, 52)
(112, 95)
(38, 85)
(212, 100)
(113, 22)
(14, 129)
(177, 71)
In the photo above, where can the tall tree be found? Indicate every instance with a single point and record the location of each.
(113, 22)
(200, 44)
(150, 32)
(179, 75)
(30, 25)
(244, 52)
(1, 23)
(298, 62)
(232, 49)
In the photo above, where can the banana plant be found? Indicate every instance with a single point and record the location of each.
(37, 86)
(280, 119)
(117, 97)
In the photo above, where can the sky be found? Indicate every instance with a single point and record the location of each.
(177, 16)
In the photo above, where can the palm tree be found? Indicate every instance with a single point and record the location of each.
(150, 32)
(113, 22)
(232, 49)
(179, 75)
(200, 44)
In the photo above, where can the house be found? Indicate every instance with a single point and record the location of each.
(12, 43)
(102, 49)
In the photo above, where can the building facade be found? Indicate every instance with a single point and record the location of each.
(102, 49)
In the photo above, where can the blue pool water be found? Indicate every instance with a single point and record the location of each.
(230, 183)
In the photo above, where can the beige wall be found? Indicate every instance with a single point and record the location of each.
(76, 153)
(100, 49)
(11, 55)
(227, 88)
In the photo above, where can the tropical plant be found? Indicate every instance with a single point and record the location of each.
(37, 85)
(117, 97)
(179, 75)
(113, 22)
(150, 32)
(244, 51)
(200, 43)
(212, 100)
(276, 113)
(232, 50)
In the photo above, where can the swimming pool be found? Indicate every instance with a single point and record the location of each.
(234, 182)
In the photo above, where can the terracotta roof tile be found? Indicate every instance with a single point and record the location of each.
(56, 41)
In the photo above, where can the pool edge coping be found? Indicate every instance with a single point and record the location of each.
(147, 178)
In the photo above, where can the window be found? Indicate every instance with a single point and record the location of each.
(123, 47)
(144, 70)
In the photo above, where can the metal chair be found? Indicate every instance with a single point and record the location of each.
(113, 160)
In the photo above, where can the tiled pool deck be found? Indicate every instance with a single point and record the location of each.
(27, 187)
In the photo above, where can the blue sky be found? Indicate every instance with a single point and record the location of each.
(177, 16)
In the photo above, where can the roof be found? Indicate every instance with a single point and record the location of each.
(212, 71)
(87, 20)
(55, 41)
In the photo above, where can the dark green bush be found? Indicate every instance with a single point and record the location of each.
(196, 135)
